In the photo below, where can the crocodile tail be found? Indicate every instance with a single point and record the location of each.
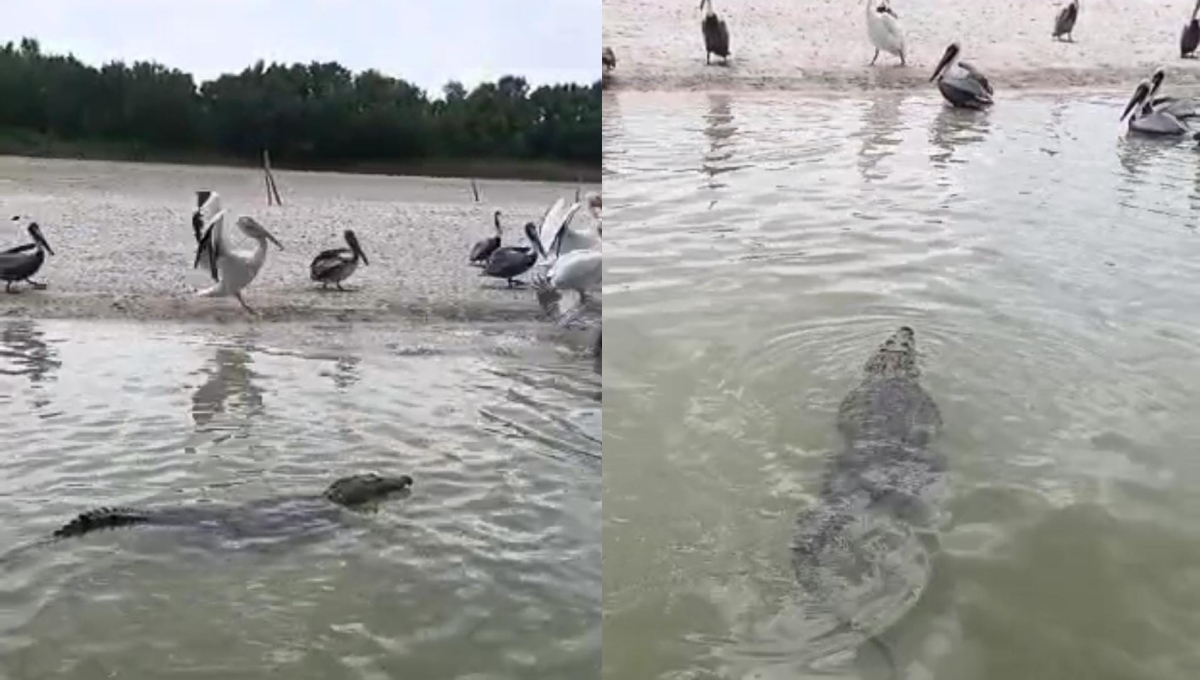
(101, 518)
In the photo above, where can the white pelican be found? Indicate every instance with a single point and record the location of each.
(1064, 23)
(17, 264)
(1189, 40)
(556, 234)
(232, 269)
(883, 28)
(337, 264)
(579, 269)
(1148, 121)
(484, 248)
(716, 34)
(960, 83)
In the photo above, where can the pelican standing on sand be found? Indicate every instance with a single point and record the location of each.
(484, 248)
(1148, 121)
(337, 264)
(959, 82)
(511, 261)
(1064, 23)
(883, 28)
(716, 34)
(233, 270)
(18, 264)
(1189, 40)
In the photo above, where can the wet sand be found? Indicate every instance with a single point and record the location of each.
(781, 44)
(124, 245)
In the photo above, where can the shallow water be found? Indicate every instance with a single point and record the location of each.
(823, 43)
(489, 569)
(762, 246)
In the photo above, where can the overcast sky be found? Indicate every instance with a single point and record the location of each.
(427, 42)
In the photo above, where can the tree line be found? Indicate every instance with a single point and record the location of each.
(316, 114)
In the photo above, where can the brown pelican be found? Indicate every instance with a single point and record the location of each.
(608, 59)
(510, 262)
(1190, 38)
(716, 34)
(337, 264)
(1180, 108)
(17, 264)
(485, 247)
(1064, 23)
(960, 83)
(233, 270)
(1147, 121)
(883, 28)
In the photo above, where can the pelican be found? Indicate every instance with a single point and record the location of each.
(511, 261)
(716, 34)
(16, 264)
(1180, 108)
(960, 83)
(485, 247)
(232, 269)
(608, 59)
(578, 270)
(337, 264)
(883, 28)
(1064, 23)
(1190, 38)
(558, 237)
(1148, 121)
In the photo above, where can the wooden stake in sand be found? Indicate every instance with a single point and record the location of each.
(272, 188)
(475, 190)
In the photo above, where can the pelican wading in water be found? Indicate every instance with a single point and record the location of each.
(1064, 23)
(337, 264)
(959, 82)
(1189, 40)
(883, 28)
(232, 269)
(1180, 108)
(716, 34)
(18, 264)
(484, 248)
(578, 270)
(510, 262)
(1145, 120)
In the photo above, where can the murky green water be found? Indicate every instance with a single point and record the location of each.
(761, 246)
(490, 569)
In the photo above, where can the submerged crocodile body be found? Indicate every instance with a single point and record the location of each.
(863, 553)
(269, 517)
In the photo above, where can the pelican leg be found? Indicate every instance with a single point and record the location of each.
(8, 287)
(339, 286)
(708, 58)
(875, 57)
(248, 309)
(35, 284)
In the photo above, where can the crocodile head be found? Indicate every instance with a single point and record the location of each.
(357, 490)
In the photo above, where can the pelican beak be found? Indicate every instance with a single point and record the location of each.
(949, 54)
(532, 235)
(352, 240)
(1142, 90)
(36, 232)
(272, 239)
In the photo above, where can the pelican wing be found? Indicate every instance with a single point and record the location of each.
(978, 76)
(327, 261)
(554, 245)
(211, 245)
(551, 221)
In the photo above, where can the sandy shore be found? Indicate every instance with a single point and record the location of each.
(124, 245)
(782, 44)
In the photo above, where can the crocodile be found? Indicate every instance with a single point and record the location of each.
(863, 551)
(275, 516)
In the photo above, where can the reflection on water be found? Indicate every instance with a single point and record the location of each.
(228, 389)
(490, 569)
(720, 130)
(25, 352)
(1039, 254)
